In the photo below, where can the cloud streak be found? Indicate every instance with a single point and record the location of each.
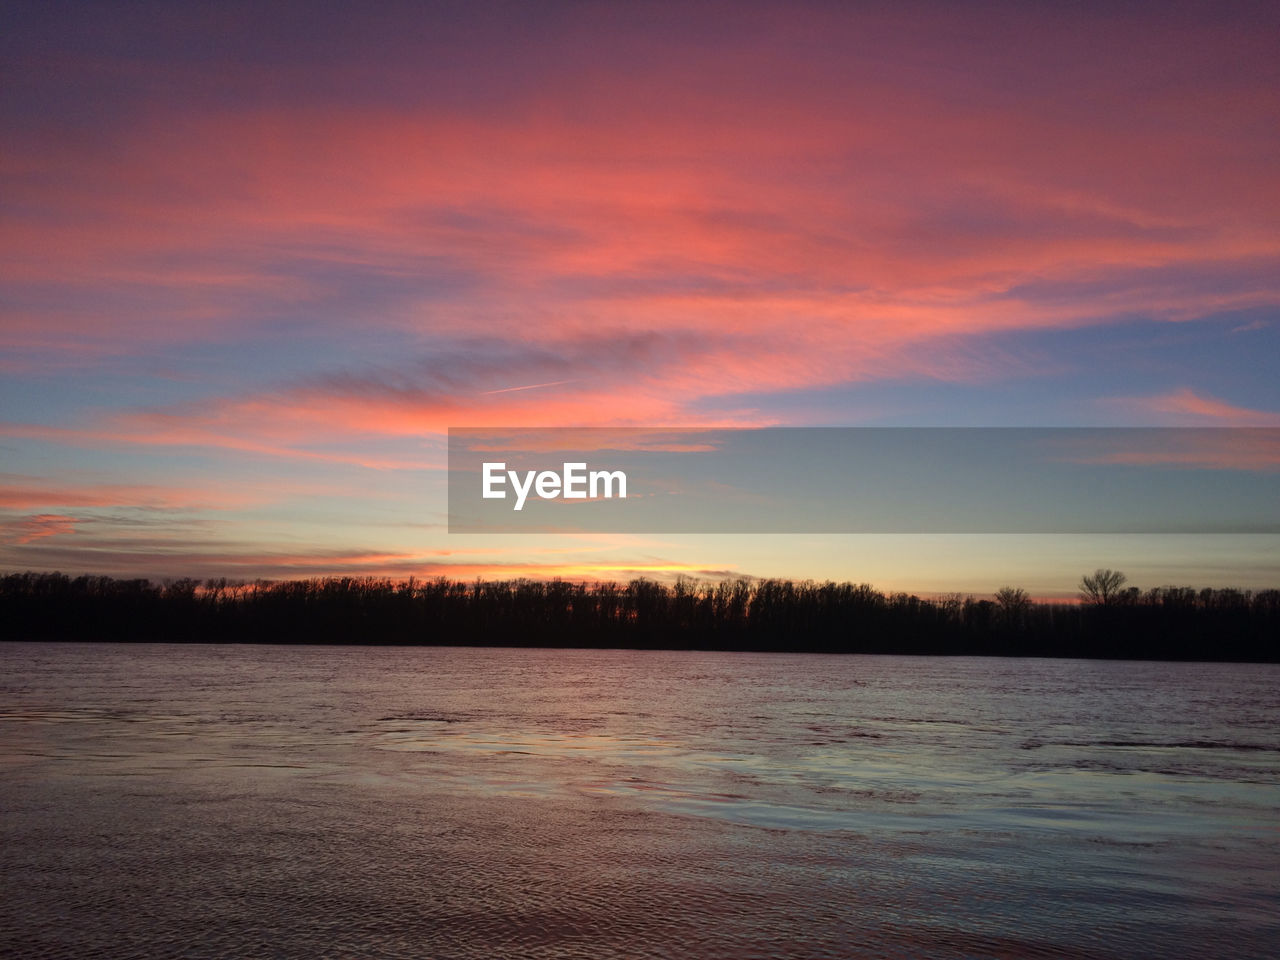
(870, 204)
(1187, 407)
(30, 529)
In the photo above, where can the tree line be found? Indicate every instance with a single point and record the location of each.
(1111, 621)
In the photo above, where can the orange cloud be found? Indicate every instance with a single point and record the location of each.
(161, 557)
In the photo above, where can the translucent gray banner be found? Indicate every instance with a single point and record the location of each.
(864, 480)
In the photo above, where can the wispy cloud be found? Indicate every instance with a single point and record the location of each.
(1187, 407)
(18, 492)
(24, 545)
(785, 187)
(30, 529)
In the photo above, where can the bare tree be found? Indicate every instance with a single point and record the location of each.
(1103, 587)
(1013, 604)
(1012, 599)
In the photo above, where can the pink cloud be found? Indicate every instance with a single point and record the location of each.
(25, 493)
(635, 220)
(1186, 407)
(30, 529)
(857, 202)
(1199, 448)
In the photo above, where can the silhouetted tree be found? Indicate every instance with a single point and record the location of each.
(1013, 604)
(1103, 587)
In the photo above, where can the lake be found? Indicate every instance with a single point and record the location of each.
(278, 801)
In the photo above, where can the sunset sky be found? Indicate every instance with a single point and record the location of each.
(258, 258)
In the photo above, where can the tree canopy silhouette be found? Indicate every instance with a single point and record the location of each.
(778, 615)
(1103, 587)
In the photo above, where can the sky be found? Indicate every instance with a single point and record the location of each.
(257, 259)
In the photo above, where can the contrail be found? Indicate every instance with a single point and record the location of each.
(531, 386)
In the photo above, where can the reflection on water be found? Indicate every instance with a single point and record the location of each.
(244, 801)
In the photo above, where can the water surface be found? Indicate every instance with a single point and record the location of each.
(214, 801)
